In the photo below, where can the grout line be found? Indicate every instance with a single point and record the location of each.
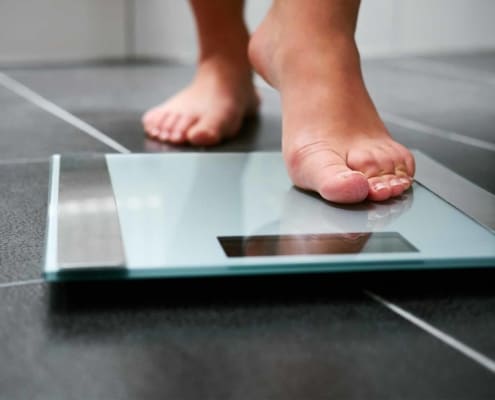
(21, 283)
(474, 355)
(59, 112)
(430, 130)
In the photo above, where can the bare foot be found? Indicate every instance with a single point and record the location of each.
(333, 141)
(210, 109)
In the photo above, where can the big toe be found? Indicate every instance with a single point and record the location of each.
(213, 128)
(343, 185)
(327, 173)
(151, 120)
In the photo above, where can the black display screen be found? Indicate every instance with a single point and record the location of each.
(316, 244)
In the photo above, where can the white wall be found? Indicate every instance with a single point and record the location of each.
(164, 28)
(71, 30)
(446, 25)
(61, 30)
(386, 27)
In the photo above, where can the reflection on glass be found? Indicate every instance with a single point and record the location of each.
(333, 243)
(303, 211)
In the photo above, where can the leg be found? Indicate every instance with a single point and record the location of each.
(213, 106)
(334, 141)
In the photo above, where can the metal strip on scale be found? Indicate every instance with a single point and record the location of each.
(474, 201)
(89, 234)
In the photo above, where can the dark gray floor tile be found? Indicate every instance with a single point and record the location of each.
(443, 102)
(313, 337)
(120, 96)
(470, 319)
(470, 65)
(24, 189)
(460, 303)
(214, 339)
(26, 131)
(107, 88)
(476, 68)
(114, 99)
(473, 163)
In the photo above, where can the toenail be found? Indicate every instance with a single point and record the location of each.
(379, 186)
(405, 181)
(396, 182)
(164, 135)
(348, 174)
(155, 132)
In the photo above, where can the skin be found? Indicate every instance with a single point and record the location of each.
(333, 139)
(222, 93)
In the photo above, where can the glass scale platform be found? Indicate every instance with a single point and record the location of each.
(221, 214)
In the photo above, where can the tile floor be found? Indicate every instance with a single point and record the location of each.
(312, 337)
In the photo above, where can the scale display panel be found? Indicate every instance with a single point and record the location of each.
(221, 214)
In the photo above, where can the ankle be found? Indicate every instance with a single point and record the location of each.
(230, 42)
(228, 59)
(225, 67)
(274, 52)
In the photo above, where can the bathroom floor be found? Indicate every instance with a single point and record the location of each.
(381, 335)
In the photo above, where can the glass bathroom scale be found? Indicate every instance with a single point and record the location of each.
(222, 214)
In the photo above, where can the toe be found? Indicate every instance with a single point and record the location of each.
(404, 167)
(317, 167)
(393, 169)
(408, 159)
(404, 162)
(396, 185)
(379, 189)
(387, 186)
(167, 125)
(179, 130)
(365, 161)
(211, 129)
(204, 134)
(148, 118)
(151, 121)
(342, 185)
(387, 167)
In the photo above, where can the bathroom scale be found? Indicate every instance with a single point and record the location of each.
(222, 214)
